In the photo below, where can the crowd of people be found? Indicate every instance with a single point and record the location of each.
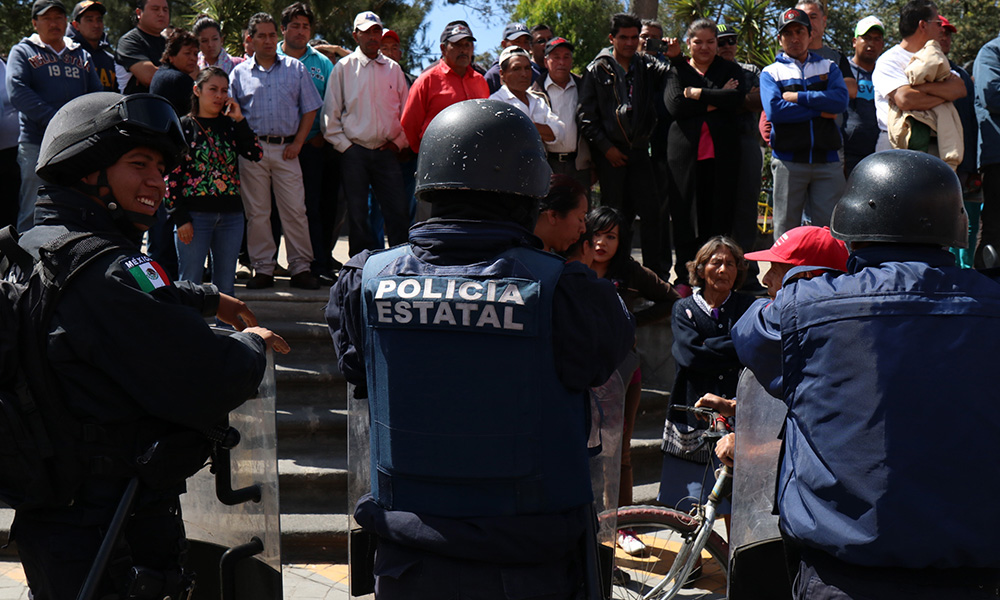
(673, 130)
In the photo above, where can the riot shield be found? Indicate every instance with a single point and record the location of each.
(607, 417)
(360, 544)
(757, 561)
(235, 541)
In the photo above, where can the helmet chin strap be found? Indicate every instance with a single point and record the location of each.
(125, 219)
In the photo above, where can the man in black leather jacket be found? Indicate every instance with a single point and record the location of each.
(617, 113)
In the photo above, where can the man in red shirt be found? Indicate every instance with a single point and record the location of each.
(451, 80)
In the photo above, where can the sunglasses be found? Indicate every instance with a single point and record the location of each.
(727, 41)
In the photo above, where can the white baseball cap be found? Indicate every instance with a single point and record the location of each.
(366, 20)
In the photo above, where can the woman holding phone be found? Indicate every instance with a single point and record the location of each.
(203, 192)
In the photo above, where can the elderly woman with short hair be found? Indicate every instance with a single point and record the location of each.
(706, 363)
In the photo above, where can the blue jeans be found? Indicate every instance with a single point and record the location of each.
(27, 159)
(220, 234)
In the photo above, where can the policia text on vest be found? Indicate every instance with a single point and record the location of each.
(507, 305)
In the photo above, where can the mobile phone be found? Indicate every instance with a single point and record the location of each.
(227, 108)
(654, 44)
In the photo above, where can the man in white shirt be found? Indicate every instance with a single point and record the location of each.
(515, 73)
(918, 23)
(361, 118)
(570, 155)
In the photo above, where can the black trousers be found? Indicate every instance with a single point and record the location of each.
(632, 189)
(57, 554)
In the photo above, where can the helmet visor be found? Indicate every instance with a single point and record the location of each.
(152, 114)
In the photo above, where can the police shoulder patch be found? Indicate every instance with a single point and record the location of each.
(147, 273)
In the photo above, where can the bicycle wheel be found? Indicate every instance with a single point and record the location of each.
(665, 532)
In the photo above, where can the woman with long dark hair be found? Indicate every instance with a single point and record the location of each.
(203, 192)
(611, 242)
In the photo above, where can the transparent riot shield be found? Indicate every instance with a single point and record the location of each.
(607, 417)
(232, 527)
(360, 544)
(757, 564)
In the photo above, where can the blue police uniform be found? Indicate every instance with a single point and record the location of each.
(477, 350)
(133, 357)
(877, 367)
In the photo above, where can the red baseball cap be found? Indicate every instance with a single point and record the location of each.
(806, 246)
(947, 26)
(388, 33)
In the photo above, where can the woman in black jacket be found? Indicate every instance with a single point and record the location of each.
(704, 95)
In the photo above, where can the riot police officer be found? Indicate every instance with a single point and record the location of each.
(131, 354)
(476, 349)
(878, 367)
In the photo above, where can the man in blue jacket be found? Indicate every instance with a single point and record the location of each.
(44, 71)
(802, 95)
(874, 485)
(475, 350)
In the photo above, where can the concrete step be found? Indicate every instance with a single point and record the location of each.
(313, 538)
(312, 424)
(312, 481)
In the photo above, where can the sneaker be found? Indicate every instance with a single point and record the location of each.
(631, 544)
(304, 280)
(260, 281)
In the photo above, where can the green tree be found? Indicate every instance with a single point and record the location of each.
(585, 23)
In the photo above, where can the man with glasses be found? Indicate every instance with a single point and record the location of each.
(918, 23)
(540, 36)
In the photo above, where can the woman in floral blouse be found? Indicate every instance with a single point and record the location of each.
(203, 192)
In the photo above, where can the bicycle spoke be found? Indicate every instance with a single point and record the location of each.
(649, 574)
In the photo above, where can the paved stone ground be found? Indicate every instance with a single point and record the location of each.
(300, 582)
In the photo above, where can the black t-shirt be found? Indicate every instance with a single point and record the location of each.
(135, 47)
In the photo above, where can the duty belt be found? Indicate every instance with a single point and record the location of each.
(562, 156)
(277, 139)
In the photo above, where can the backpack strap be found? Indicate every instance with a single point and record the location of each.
(13, 253)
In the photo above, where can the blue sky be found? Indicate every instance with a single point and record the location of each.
(487, 32)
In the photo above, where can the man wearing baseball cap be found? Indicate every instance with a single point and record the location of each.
(802, 94)
(44, 71)
(806, 246)
(451, 80)
(561, 87)
(87, 29)
(361, 115)
(811, 251)
(861, 124)
(514, 34)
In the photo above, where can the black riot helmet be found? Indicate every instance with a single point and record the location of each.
(483, 145)
(903, 197)
(90, 133)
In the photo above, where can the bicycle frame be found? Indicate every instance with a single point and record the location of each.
(689, 553)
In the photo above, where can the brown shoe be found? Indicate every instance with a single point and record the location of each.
(304, 280)
(260, 281)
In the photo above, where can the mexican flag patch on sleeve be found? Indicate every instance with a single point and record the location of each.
(146, 272)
